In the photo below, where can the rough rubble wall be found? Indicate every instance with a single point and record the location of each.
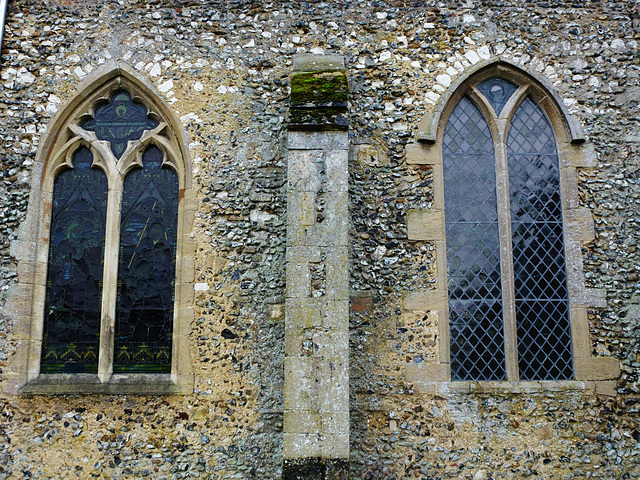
(224, 68)
(232, 424)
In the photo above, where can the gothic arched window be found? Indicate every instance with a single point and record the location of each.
(74, 272)
(114, 310)
(510, 300)
(504, 232)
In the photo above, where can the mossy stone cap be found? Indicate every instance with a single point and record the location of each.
(319, 92)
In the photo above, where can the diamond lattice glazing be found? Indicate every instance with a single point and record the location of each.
(473, 249)
(542, 314)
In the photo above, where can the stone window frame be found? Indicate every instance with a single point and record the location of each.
(590, 373)
(27, 299)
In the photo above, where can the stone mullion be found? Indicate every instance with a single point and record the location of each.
(56, 149)
(506, 253)
(110, 279)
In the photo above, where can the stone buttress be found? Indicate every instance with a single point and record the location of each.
(316, 396)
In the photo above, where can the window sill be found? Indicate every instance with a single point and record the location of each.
(118, 384)
(501, 387)
(607, 388)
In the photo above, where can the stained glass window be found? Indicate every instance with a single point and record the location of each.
(498, 92)
(108, 310)
(74, 275)
(473, 247)
(542, 307)
(146, 276)
(119, 121)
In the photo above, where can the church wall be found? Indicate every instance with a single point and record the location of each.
(224, 69)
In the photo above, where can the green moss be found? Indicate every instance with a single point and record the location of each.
(322, 87)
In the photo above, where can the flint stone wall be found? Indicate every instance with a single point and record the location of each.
(224, 68)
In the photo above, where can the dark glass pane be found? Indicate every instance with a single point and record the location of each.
(477, 340)
(473, 261)
(146, 275)
(544, 343)
(542, 313)
(119, 121)
(74, 275)
(538, 261)
(498, 92)
(535, 188)
(473, 249)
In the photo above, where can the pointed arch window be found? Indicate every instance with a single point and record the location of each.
(507, 283)
(115, 310)
(74, 273)
(146, 269)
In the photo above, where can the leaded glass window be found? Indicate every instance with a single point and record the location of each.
(485, 256)
(113, 245)
(541, 299)
(119, 121)
(74, 275)
(473, 248)
(146, 272)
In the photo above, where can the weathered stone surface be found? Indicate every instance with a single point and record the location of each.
(319, 93)
(423, 225)
(316, 393)
(597, 369)
(224, 68)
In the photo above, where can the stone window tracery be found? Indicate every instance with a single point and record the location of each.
(110, 291)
